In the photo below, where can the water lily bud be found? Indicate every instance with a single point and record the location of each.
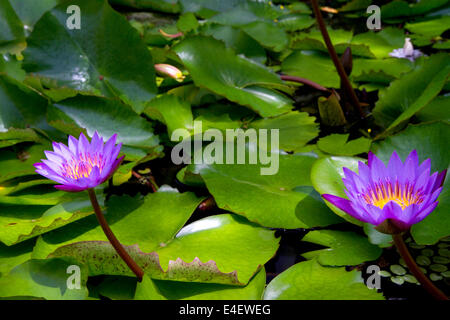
(169, 71)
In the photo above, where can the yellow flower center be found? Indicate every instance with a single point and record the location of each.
(403, 195)
(82, 167)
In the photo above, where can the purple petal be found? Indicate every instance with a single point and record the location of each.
(355, 180)
(364, 171)
(424, 166)
(96, 142)
(395, 214)
(54, 157)
(83, 144)
(110, 144)
(64, 151)
(345, 205)
(70, 188)
(113, 169)
(410, 167)
(440, 179)
(424, 213)
(95, 176)
(413, 158)
(73, 145)
(377, 168)
(392, 210)
(395, 166)
(422, 180)
(44, 170)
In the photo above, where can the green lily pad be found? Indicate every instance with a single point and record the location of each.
(107, 117)
(337, 144)
(12, 67)
(431, 28)
(197, 254)
(413, 91)
(43, 279)
(12, 256)
(310, 281)
(172, 111)
(29, 11)
(294, 22)
(220, 70)
(326, 177)
(20, 222)
(132, 220)
(208, 8)
(15, 136)
(295, 129)
(312, 65)
(345, 248)
(71, 57)
(187, 22)
(381, 43)
(401, 8)
(150, 289)
(22, 107)
(382, 240)
(20, 163)
(236, 39)
(364, 70)
(282, 200)
(436, 110)
(11, 28)
(169, 6)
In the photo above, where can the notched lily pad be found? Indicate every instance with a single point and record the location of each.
(101, 258)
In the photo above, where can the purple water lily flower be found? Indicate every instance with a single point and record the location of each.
(407, 52)
(81, 165)
(392, 198)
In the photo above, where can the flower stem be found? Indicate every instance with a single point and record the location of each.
(304, 81)
(337, 63)
(112, 238)
(412, 266)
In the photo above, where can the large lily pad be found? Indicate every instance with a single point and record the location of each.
(312, 65)
(337, 144)
(43, 279)
(295, 129)
(345, 248)
(197, 254)
(134, 221)
(220, 70)
(150, 289)
(21, 222)
(172, 111)
(11, 28)
(283, 200)
(412, 92)
(20, 162)
(21, 106)
(106, 116)
(310, 281)
(76, 57)
(326, 177)
(12, 256)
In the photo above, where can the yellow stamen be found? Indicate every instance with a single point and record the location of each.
(82, 167)
(382, 193)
